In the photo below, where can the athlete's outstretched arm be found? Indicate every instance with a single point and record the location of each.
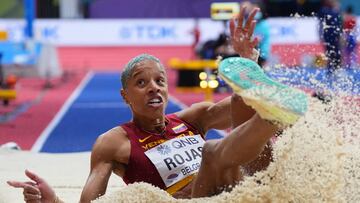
(100, 171)
(106, 147)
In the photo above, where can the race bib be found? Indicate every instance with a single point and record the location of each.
(177, 158)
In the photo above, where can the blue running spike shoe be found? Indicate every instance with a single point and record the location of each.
(272, 100)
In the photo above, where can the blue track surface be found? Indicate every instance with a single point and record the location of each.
(98, 108)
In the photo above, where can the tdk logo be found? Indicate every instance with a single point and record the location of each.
(287, 30)
(50, 32)
(283, 30)
(153, 32)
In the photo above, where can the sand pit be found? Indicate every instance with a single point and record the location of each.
(316, 160)
(67, 173)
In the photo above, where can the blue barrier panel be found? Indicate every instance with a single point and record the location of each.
(12, 52)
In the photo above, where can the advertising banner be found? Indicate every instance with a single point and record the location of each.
(154, 32)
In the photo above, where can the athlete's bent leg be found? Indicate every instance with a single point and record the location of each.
(222, 158)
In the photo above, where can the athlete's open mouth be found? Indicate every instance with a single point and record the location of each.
(155, 102)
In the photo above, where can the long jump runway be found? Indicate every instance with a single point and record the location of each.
(94, 107)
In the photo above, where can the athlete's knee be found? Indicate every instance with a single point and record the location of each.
(209, 153)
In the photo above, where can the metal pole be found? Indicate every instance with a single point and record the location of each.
(29, 9)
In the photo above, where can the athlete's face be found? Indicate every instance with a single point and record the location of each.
(147, 90)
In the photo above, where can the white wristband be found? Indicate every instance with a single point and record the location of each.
(255, 55)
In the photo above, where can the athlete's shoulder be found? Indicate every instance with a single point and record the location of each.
(115, 134)
(111, 139)
(112, 143)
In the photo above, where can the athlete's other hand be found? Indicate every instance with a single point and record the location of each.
(35, 191)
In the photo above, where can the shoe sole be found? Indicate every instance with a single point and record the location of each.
(255, 97)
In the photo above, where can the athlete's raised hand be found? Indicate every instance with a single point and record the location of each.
(241, 32)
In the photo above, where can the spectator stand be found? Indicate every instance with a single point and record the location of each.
(7, 90)
(26, 59)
